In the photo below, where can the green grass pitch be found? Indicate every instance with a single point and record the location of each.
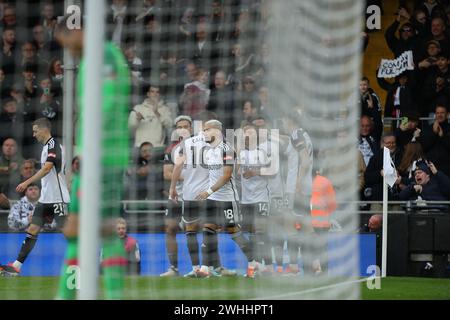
(156, 288)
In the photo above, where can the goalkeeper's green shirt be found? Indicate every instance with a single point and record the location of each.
(115, 109)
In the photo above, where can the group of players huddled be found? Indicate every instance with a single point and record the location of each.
(236, 186)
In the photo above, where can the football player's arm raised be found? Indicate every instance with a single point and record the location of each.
(46, 168)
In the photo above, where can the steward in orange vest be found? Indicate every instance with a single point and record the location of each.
(323, 202)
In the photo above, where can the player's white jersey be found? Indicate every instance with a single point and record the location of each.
(254, 189)
(216, 158)
(196, 176)
(276, 186)
(300, 160)
(54, 187)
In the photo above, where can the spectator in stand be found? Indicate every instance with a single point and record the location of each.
(136, 66)
(172, 71)
(374, 224)
(436, 140)
(48, 19)
(429, 60)
(248, 91)
(429, 184)
(371, 106)
(436, 88)
(149, 7)
(155, 46)
(132, 251)
(408, 130)
(150, 120)
(249, 112)
(374, 172)
(262, 62)
(21, 213)
(24, 114)
(120, 21)
(201, 48)
(11, 122)
(368, 144)
(9, 17)
(187, 25)
(421, 25)
(29, 54)
(400, 98)
(29, 87)
(47, 47)
(27, 170)
(134, 63)
(10, 162)
(8, 52)
(146, 176)
(49, 106)
(240, 63)
(407, 40)
(190, 73)
(56, 73)
(413, 153)
(221, 101)
(195, 97)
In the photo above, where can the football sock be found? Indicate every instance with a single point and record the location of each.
(209, 246)
(172, 249)
(244, 244)
(192, 243)
(27, 246)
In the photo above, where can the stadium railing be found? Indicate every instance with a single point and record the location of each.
(134, 209)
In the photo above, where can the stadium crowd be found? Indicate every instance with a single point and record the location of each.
(417, 107)
(204, 58)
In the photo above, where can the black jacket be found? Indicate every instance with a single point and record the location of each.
(437, 149)
(429, 96)
(437, 189)
(398, 45)
(406, 97)
(374, 113)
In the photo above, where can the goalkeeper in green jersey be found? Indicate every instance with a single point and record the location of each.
(115, 156)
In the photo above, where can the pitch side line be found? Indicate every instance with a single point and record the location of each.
(284, 295)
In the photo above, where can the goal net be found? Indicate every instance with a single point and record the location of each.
(249, 104)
